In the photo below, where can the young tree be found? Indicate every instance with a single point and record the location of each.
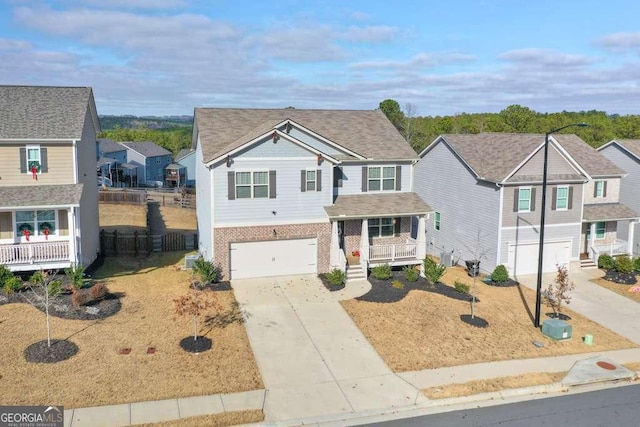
(479, 252)
(195, 304)
(558, 291)
(45, 289)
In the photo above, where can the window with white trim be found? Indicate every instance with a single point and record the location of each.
(562, 198)
(599, 189)
(601, 229)
(382, 178)
(524, 199)
(252, 185)
(33, 157)
(436, 221)
(311, 180)
(381, 227)
(36, 222)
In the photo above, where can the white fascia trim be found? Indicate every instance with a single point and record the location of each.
(500, 219)
(284, 159)
(535, 226)
(622, 147)
(320, 137)
(365, 161)
(37, 140)
(267, 134)
(555, 145)
(464, 162)
(74, 145)
(537, 242)
(566, 154)
(267, 224)
(40, 207)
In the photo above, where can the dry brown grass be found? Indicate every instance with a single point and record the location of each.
(98, 374)
(619, 289)
(634, 366)
(216, 420)
(123, 217)
(495, 384)
(178, 219)
(424, 330)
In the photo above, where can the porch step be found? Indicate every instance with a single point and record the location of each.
(355, 272)
(587, 263)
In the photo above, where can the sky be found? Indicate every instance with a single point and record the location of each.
(165, 57)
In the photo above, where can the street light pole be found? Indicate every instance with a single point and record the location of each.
(542, 217)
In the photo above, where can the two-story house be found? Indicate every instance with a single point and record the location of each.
(151, 160)
(187, 159)
(48, 197)
(625, 153)
(111, 156)
(294, 191)
(486, 193)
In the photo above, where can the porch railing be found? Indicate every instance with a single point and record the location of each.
(619, 247)
(393, 252)
(34, 253)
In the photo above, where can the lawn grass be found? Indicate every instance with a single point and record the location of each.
(619, 289)
(125, 218)
(424, 329)
(216, 420)
(98, 374)
(178, 219)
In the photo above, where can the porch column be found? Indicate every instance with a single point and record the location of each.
(592, 236)
(630, 242)
(421, 250)
(364, 240)
(334, 257)
(71, 225)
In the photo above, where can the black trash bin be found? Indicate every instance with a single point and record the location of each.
(473, 267)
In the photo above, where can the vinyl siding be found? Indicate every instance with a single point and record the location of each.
(203, 205)
(557, 164)
(352, 177)
(315, 143)
(530, 234)
(629, 185)
(63, 222)
(6, 225)
(138, 159)
(467, 207)
(268, 149)
(189, 162)
(613, 191)
(59, 160)
(512, 219)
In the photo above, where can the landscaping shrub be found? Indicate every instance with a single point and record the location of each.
(623, 264)
(500, 274)
(432, 270)
(85, 296)
(5, 274)
(98, 291)
(381, 272)
(12, 284)
(463, 288)
(336, 277)
(206, 270)
(606, 262)
(411, 273)
(636, 264)
(37, 278)
(75, 273)
(397, 284)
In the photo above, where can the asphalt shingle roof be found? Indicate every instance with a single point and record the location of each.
(378, 204)
(107, 145)
(184, 152)
(632, 145)
(33, 112)
(41, 195)
(588, 157)
(147, 148)
(607, 212)
(368, 133)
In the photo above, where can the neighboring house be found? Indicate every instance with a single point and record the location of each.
(111, 156)
(625, 153)
(486, 193)
(187, 159)
(151, 160)
(295, 191)
(48, 197)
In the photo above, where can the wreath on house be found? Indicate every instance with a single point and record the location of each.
(44, 226)
(24, 227)
(34, 165)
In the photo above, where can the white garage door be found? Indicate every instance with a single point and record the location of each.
(523, 258)
(273, 258)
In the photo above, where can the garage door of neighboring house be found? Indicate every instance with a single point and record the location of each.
(273, 258)
(523, 258)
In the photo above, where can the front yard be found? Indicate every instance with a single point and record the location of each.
(98, 374)
(424, 330)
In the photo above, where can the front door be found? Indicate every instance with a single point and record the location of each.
(341, 234)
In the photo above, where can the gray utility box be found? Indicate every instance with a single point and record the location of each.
(556, 329)
(189, 260)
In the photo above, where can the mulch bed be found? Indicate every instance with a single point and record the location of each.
(476, 321)
(195, 346)
(328, 285)
(382, 291)
(620, 278)
(504, 284)
(224, 285)
(40, 352)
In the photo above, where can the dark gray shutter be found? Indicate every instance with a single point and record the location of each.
(44, 162)
(272, 184)
(303, 180)
(231, 185)
(555, 199)
(319, 180)
(595, 188)
(604, 189)
(365, 179)
(23, 160)
(398, 222)
(398, 178)
(533, 200)
(516, 198)
(337, 176)
(570, 198)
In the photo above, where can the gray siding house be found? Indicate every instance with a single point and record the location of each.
(186, 158)
(625, 153)
(485, 190)
(299, 191)
(151, 160)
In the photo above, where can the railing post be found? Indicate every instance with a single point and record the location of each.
(393, 252)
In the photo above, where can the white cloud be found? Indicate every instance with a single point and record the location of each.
(621, 42)
(421, 60)
(545, 58)
(373, 33)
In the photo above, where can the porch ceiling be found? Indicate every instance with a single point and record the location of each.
(36, 196)
(607, 212)
(390, 204)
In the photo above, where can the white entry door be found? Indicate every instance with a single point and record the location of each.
(523, 258)
(273, 258)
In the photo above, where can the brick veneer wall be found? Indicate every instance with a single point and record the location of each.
(353, 229)
(223, 237)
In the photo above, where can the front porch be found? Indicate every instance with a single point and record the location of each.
(600, 234)
(36, 256)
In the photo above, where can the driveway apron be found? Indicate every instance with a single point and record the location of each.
(313, 359)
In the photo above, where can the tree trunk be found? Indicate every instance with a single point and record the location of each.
(46, 308)
(195, 328)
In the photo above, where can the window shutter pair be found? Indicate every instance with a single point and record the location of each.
(303, 180)
(516, 200)
(44, 163)
(604, 189)
(554, 199)
(365, 178)
(231, 185)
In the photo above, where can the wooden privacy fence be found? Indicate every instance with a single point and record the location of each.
(133, 197)
(115, 244)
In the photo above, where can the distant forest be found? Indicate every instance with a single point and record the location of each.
(174, 133)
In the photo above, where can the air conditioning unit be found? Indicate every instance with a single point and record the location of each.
(446, 259)
(556, 329)
(189, 260)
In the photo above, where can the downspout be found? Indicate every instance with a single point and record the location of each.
(500, 213)
(74, 145)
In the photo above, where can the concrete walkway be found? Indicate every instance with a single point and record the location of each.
(312, 357)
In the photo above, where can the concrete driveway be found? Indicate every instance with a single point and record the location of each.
(313, 359)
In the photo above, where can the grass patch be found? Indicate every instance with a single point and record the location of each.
(217, 420)
(99, 374)
(494, 384)
(423, 330)
(123, 217)
(634, 366)
(618, 289)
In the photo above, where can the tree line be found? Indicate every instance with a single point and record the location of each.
(173, 139)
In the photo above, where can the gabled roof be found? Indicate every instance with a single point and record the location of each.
(44, 112)
(631, 146)
(184, 153)
(106, 145)
(495, 156)
(368, 133)
(35, 196)
(147, 148)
